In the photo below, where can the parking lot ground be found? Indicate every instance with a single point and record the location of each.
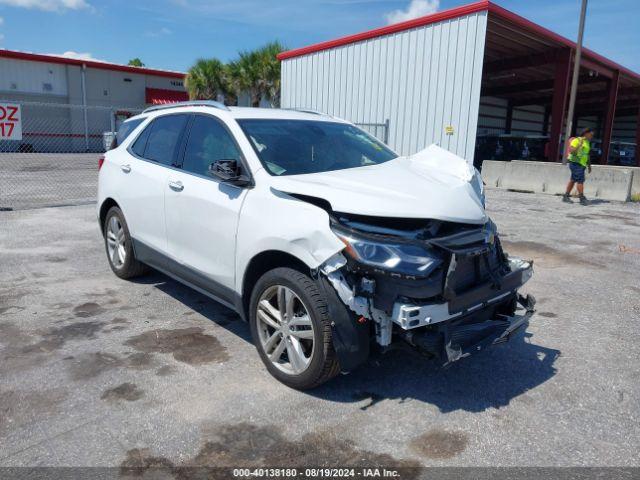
(35, 180)
(96, 371)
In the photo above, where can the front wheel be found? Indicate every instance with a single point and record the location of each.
(291, 329)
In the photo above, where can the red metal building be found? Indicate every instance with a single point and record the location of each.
(525, 78)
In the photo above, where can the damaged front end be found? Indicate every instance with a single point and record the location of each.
(446, 289)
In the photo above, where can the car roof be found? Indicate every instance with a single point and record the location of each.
(280, 113)
(239, 113)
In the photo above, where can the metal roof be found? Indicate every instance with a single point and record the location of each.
(37, 57)
(534, 30)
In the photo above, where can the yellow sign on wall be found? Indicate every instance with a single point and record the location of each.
(449, 130)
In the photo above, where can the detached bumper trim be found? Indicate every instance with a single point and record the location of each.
(514, 323)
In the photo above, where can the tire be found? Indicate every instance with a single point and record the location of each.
(129, 267)
(296, 330)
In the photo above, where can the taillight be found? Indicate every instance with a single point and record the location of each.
(100, 161)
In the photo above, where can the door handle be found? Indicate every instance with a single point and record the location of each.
(176, 186)
(126, 168)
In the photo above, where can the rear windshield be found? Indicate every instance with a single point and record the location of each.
(126, 128)
(293, 147)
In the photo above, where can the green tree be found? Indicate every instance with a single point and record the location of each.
(208, 79)
(136, 62)
(271, 66)
(243, 74)
(257, 73)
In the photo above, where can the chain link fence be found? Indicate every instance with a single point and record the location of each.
(54, 161)
(378, 130)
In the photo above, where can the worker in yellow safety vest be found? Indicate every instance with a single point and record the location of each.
(579, 157)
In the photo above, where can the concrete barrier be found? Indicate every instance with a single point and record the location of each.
(635, 183)
(605, 182)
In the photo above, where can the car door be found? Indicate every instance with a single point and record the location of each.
(202, 211)
(145, 172)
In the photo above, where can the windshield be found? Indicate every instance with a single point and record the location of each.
(293, 147)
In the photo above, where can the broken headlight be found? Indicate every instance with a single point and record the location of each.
(390, 257)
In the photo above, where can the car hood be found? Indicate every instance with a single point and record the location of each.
(431, 184)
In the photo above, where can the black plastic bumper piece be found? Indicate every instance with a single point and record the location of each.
(467, 339)
(471, 298)
(350, 338)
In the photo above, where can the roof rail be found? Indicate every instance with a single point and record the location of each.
(192, 103)
(307, 110)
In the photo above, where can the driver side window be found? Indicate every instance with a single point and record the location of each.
(208, 142)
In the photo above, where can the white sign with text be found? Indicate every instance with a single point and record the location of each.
(10, 121)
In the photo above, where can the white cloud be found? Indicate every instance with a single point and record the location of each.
(1, 37)
(1, 20)
(417, 8)
(158, 33)
(77, 56)
(48, 5)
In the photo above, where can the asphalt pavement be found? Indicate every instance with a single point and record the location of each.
(97, 371)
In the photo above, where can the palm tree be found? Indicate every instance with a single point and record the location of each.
(271, 66)
(257, 73)
(207, 80)
(244, 74)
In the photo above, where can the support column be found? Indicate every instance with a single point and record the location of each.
(509, 119)
(84, 107)
(638, 138)
(612, 98)
(560, 92)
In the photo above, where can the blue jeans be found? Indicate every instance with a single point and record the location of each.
(577, 172)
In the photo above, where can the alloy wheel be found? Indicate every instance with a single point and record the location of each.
(285, 329)
(116, 242)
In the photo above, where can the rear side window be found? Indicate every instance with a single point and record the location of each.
(159, 141)
(208, 142)
(141, 142)
(125, 130)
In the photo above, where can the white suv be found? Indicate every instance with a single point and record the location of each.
(316, 233)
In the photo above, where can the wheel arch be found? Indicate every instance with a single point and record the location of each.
(261, 264)
(104, 208)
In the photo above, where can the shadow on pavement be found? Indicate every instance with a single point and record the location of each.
(197, 302)
(490, 379)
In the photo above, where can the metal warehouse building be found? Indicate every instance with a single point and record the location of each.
(469, 78)
(67, 104)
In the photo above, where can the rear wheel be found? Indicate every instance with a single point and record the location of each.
(119, 247)
(291, 329)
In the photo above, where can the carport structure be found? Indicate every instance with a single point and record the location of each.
(526, 64)
(447, 77)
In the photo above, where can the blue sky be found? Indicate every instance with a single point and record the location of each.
(171, 34)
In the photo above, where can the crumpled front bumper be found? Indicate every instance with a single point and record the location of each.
(451, 341)
(408, 316)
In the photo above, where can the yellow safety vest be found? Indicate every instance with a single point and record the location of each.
(581, 155)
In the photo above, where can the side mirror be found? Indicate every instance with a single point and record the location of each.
(230, 172)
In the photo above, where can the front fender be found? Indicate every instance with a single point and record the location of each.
(272, 220)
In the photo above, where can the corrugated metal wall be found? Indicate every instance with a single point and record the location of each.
(422, 80)
(624, 129)
(529, 120)
(526, 120)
